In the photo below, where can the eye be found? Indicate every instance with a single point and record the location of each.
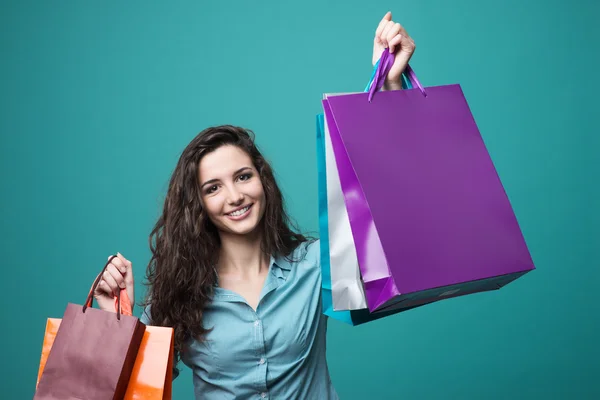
(212, 189)
(245, 177)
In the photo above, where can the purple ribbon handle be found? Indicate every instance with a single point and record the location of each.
(385, 64)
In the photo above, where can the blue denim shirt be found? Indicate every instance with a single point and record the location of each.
(277, 352)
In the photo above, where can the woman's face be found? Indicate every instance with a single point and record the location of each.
(231, 189)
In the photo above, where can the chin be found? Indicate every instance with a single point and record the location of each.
(242, 229)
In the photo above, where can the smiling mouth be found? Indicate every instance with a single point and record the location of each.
(239, 212)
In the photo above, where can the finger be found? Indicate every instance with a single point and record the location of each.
(103, 288)
(116, 275)
(407, 46)
(384, 33)
(110, 281)
(393, 31)
(381, 26)
(396, 40)
(405, 34)
(118, 262)
(128, 266)
(406, 49)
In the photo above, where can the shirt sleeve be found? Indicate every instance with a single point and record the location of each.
(323, 285)
(145, 317)
(314, 251)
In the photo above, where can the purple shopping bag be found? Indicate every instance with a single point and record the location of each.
(428, 212)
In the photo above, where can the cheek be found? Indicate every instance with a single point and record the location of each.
(258, 192)
(212, 205)
(261, 196)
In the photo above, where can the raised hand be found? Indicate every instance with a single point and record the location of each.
(391, 36)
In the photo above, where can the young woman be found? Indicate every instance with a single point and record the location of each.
(240, 286)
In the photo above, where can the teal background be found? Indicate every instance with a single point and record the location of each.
(98, 99)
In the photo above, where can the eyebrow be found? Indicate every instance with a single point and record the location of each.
(216, 180)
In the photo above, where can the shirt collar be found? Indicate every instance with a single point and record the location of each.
(279, 267)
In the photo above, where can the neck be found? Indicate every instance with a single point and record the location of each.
(242, 254)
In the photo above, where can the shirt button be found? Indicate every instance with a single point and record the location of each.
(256, 323)
(263, 395)
(262, 361)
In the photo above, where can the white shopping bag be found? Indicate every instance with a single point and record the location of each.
(346, 283)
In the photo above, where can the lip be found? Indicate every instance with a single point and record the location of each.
(240, 217)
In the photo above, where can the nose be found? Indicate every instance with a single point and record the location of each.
(235, 197)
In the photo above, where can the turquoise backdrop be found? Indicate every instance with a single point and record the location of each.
(98, 99)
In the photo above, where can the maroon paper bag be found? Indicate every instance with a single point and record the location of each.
(93, 354)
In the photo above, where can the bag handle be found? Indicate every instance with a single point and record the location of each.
(122, 301)
(381, 70)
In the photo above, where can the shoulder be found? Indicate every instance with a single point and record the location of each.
(307, 250)
(307, 254)
(313, 251)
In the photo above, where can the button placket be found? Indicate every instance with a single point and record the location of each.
(261, 361)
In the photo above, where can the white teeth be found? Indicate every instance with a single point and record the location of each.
(239, 212)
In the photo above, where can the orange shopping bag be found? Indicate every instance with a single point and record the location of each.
(152, 374)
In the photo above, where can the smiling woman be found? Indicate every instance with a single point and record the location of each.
(220, 270)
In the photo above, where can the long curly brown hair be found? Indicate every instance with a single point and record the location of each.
(181, 274)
